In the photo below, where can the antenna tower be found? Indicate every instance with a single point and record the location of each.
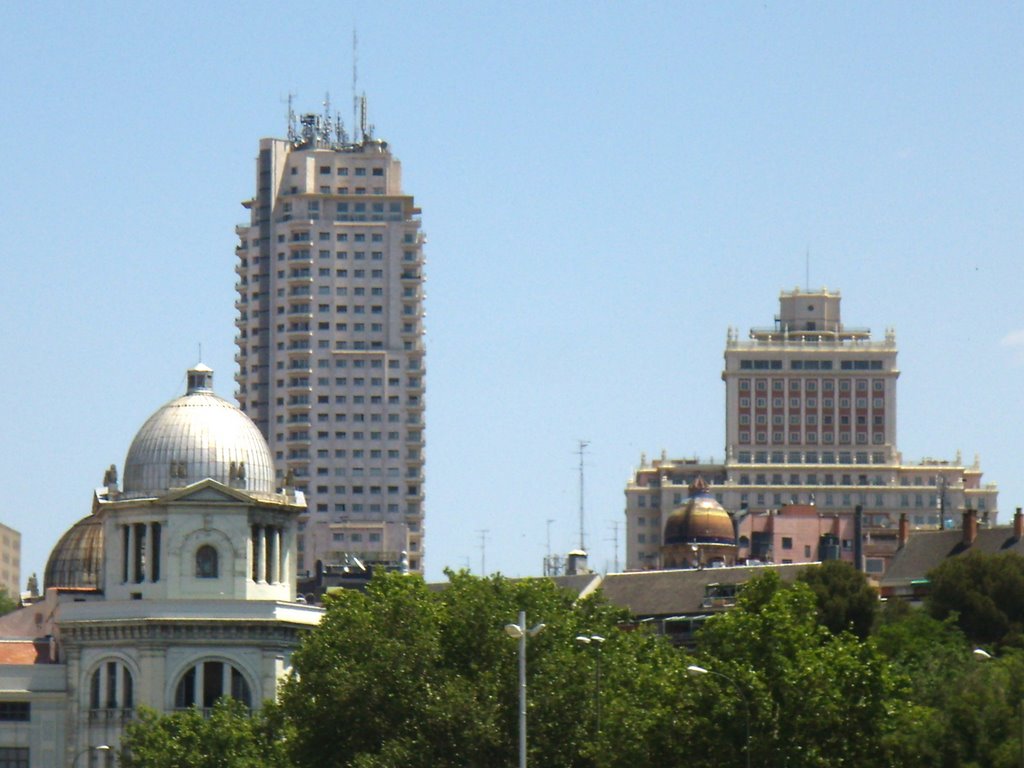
(483, 550)
(581, 450)
(355, 83)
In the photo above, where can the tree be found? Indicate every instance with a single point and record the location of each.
(7, 603)
(846, 601)
(230, 737)
(985, 593)
(815, 699)
(403, 675)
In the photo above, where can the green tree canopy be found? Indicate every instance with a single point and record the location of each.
(808, 691)
(405, 676)
(984, 592)
(846, 601)
(229, 737)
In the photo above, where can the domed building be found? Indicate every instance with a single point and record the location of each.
(699, 533)
(176, 590)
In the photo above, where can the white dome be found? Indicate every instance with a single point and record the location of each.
(195, 437)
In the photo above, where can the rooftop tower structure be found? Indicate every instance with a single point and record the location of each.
(329, 336)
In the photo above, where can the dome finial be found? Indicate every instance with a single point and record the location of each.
(200, 379)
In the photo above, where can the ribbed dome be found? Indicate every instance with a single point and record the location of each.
(194, 437)
(77, 560)
(701, 520)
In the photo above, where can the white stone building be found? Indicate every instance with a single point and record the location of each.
(176, 590)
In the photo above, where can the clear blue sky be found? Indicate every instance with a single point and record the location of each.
(606, 189)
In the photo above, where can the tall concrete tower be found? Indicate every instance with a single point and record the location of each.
(330, 339)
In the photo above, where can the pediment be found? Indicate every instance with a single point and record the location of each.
(207, 491)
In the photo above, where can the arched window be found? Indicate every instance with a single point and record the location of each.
(206, 562)
(111, 690)
(207, 681)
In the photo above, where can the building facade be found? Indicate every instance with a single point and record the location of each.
(176, 590)
(330, 339)
(10, 561)
(810, 420)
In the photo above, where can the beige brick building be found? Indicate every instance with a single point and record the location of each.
(810, 419)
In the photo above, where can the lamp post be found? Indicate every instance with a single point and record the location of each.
(980, 654)
(98, 748)
(694, 671)
(597, 641)
(520, 632)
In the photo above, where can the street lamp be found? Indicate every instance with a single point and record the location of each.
(520, 632)
(99, 748)
(980, 654)
(597, 641)
(694, 671)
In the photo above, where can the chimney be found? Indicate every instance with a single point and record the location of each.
(904, 530)
(1018, 524)
(970, 527)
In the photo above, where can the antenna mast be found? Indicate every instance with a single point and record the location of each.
(807, 269)
(483, 550)
(355, 83)
(581, 450)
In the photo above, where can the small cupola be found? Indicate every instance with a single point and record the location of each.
(200, 379)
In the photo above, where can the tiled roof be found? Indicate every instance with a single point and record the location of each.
(24, 652)
(926, 550)
(676, 592)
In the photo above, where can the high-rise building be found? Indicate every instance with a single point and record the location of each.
(10, 561)
(810, 415)
(330, 338)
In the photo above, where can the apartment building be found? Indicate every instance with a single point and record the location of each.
(330, 338)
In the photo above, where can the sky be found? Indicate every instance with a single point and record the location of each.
(606, 189)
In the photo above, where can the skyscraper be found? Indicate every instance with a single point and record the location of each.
(330, 338)
(810, 419)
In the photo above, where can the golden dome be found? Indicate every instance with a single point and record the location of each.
(701, 520)
(77, 559)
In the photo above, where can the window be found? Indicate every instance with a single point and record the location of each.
(15, 711)
(206, 562)
(207, 681)
(111, 688)
(14, 757)
(787, 542)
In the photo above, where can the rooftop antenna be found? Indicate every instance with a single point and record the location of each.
(807, 269)
(483, 550)
(328, 126)
(548, 522)
(355, 83)
(200, 345)
(293, 134)
(581, 450)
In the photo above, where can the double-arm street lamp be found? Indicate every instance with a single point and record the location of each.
(694, 671)
(596, 641)
(520, 632)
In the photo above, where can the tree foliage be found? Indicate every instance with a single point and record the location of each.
(984, 592)
(409, 676)
(229, 737)
(846, 601)
(807, 689)
(429, 678)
